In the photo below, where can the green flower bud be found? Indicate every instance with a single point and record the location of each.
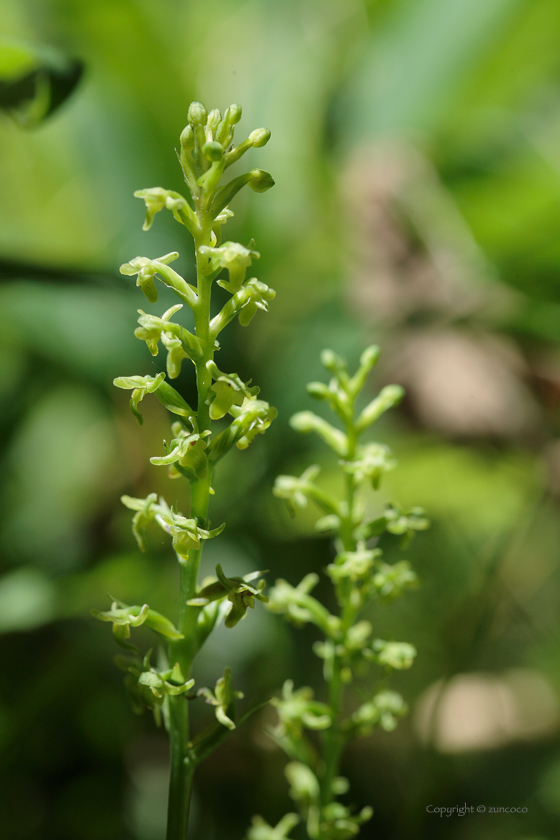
(368, 360)
(300, 607)
(213, 150)
(233, 114)
(214, 119)
(197, 114)
(296, 490)
(187, 138)
(224, 132)
(307, 421)
(332, 361)
(261, 180)
(318, 390)
(259, 137)
(257, 179)
(389, 396)
(369, 357)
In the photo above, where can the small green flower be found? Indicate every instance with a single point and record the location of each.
(295, 490)
(251, 418)
(140, 385)
(222, 698)
(229, 390)
(355, 565)
(237, 590)
(254, 417)
(391, 581)
(297, 709)
(396, 655)
(259, 296)
(185, 533)
(145, 513)
(299, 606)
(357, 635)
(338, 822)
(151, 327)
(156, 198)
(187, 450)
(148, 687)
(146, 269)
(179, 342)
(233, 257)
(371, 462)
(252, 296)
(124, 617)
(384, 709)
(405, 523)
(166, 394)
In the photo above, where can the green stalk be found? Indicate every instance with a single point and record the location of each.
(182, 770)
(334, 737)
(184, 651)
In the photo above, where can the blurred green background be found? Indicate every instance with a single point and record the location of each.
(416, 152)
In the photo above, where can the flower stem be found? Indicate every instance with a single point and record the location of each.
(184, 651)
(334, 737)
(182, 769)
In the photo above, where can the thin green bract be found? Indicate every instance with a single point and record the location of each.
(195, 447)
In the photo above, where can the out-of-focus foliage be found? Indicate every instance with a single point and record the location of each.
(34, 81)
(416, 151)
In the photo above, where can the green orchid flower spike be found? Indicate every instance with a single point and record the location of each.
(206, 151)
(361, 580)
